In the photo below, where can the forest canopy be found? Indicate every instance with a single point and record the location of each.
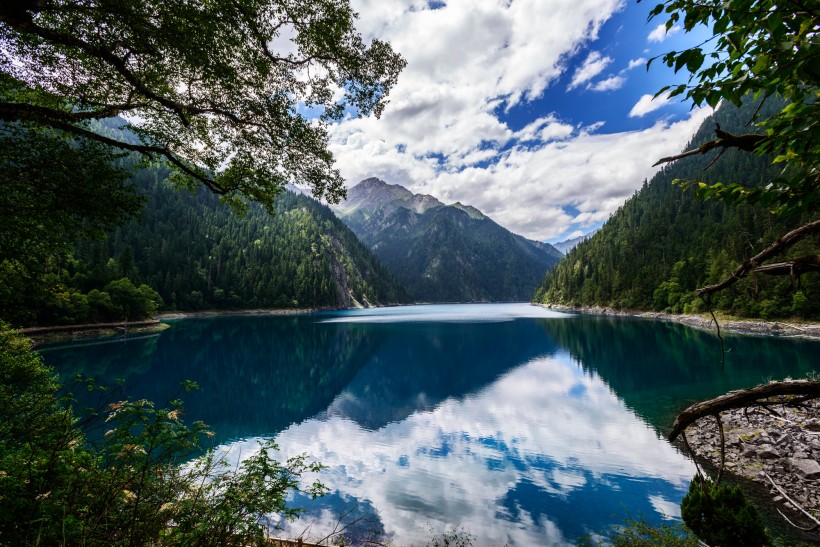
(237, 96)
(767, 48)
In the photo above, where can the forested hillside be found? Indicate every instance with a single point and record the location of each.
(444, 253)
(190, 252)
(662, 244)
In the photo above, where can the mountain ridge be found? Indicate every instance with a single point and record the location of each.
(443, 253)
(663, 243)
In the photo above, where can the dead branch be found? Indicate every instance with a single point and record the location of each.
(796, 505)
(798, 266)
(781, 244)
(741, 399)
(748, 142)
(722, 447)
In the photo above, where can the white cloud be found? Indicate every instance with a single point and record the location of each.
(465, 61)
(648, 103)
(443, 132)
(544, 129)
(496, 440)
(593, 65)
(634, 63)
(527, 188)
(609, 84)
(659, 33)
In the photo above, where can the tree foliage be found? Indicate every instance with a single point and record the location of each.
(767, 48)
(225, 91)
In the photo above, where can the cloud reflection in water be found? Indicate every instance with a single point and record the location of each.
(543, 455)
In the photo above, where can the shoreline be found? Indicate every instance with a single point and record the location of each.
(759, 327)
(171, 316)
(66, 333)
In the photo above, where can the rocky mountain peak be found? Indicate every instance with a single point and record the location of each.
(373, 194)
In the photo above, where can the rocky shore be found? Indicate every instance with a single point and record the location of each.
(705, 322)
(168, 316)
(781, 448)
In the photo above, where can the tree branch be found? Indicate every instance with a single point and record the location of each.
(103, 54)
(796, 505)
(25, 111)
(749, 143)
(58, 119)
(740, 399)
(797, 266)
(781, 244)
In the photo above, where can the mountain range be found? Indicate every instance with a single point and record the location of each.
(568, 244)
(444, 253)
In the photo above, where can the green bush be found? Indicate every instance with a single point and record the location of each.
(131, 488)
(721, 515)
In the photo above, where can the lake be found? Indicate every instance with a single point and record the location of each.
(519, 425)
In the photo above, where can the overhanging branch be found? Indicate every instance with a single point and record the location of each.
(58, 119)
(749, 143)
(781, 244)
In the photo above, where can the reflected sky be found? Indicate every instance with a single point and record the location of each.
(461, 313)
(519, 425)
(544, 455)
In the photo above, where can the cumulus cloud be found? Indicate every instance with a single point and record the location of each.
(609, 84)
(444, 133)
(648, 103)
(593, 65)
(634, 63)
(659, 33)
(528, 187)
(544, 129)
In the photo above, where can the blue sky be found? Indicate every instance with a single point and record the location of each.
(537, 112)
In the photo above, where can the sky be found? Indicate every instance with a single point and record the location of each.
(537, 112)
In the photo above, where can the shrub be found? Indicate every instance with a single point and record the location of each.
(721, 515)
(138, 486)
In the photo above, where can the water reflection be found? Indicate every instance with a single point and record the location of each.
(659, 368)
(520, 425)
(543, 455)
(257, 375)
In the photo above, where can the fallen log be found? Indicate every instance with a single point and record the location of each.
(742, 398)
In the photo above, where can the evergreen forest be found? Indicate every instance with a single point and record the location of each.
(188, 251)
(663, 243)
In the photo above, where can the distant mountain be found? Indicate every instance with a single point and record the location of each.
(568, 244)
(663, 243)
(444, 253)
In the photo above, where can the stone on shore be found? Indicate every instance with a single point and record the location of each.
(806, 468)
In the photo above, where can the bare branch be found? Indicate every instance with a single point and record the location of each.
(749, 143)
(795, 504)
(797, 266)
(781, 244)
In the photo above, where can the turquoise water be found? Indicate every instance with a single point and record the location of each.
(519, 425)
